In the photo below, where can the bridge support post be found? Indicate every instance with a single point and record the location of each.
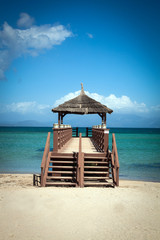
(106, 140)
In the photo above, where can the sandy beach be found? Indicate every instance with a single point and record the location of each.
(131, 211)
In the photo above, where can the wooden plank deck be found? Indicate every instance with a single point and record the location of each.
(73, 146)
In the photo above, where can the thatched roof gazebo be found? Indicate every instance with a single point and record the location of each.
(82, 104)
(76, 161)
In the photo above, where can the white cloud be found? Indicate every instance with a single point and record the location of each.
(156, 108)
(25, 20)
(25, 107)
(121, 104)
(66, 98)
(5, 60)
(90, 35)
(31, 41)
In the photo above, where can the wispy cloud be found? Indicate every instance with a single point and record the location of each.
(25, 107)
(25, 20)
(156, 108)
(15, 42)
(121, 104)
(90, 35)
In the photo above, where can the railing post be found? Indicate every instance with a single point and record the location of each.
(106, 140)
(79, 157)
(116, 161)
(87, 132)
(44, 160)
(78, 170)
(82, 171)
(46, 169)
(55, 140)
(80, 163)
(76, 131)
(117, 177)
(42, 176)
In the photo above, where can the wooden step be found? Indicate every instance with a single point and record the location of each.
(60, 184)
(95, 162)
(64, 167)
(85, 177)
(55, 161)
(97, 183)
(98, 157)
(63, 172)
(99, 154)
(89, 172)
(62, 155)
(59, 177)
(93, 167)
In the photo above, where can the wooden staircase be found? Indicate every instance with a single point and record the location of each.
(61, 170)
(97, 171)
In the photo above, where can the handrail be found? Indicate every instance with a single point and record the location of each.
(100, 139)
(115, 161)
(46, 169)
(80, 167)
(44, 159)
(60, 137)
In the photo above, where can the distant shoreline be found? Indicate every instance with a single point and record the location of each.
(50, 126)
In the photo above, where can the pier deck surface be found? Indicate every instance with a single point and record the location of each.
(73, 146)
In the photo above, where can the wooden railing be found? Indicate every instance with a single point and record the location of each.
(60, 137)
(80, 164)
(115, 161)
(87, 131)
(100, 139)
(45, 160)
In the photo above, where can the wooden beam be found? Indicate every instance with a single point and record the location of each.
(104, 118)
(59, 116)
(100, 114)
(62, 116)
(61, 119)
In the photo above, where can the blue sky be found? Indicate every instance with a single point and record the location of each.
(47, 48)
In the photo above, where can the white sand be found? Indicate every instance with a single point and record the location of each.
(131, 211)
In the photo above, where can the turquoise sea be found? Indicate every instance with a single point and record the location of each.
(21, 151)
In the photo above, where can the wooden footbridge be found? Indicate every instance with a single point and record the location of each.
(80, 161)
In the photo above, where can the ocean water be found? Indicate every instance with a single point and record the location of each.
(21, 151)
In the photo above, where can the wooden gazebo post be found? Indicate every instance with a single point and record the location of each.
(62, 116)
(59, 117)
(104, 118)
(62, 119)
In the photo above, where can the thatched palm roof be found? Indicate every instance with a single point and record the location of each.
(82, 105)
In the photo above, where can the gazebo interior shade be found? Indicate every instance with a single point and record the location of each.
(82, 104)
